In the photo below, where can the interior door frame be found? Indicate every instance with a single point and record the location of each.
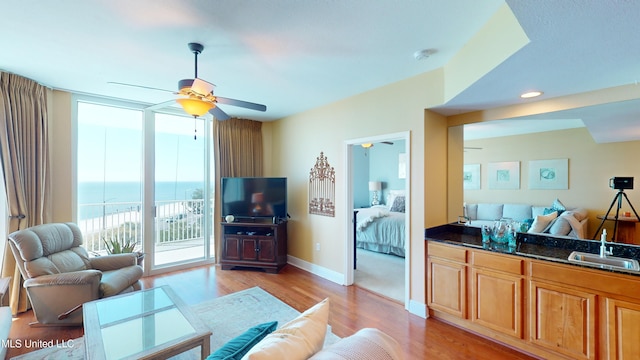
(348, 180)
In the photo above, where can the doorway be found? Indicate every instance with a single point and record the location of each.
(378, 194)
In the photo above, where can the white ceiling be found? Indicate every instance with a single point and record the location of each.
(296, 55)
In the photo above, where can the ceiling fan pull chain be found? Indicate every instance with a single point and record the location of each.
(195, 129)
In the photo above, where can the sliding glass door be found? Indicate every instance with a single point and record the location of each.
(162, 209)
(182, 215)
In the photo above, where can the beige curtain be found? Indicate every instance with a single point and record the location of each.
(24, 153)
(238, 152)
(239, 147)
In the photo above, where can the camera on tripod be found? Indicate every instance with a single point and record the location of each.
(621, 183)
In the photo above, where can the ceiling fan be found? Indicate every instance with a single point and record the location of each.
(196, 95)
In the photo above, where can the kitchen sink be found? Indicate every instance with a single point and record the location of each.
(607, 262)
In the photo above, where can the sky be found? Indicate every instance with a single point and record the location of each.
(110, 145)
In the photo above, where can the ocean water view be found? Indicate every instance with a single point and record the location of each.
(127, 196)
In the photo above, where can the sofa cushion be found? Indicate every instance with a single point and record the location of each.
(517, 212)
(490, 211)
(537, 210)
(471, 211)
(237, 347)
(300, 338)
(367, 343)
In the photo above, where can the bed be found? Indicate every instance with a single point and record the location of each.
(381, 228)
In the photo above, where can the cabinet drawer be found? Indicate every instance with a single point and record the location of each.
(449, 252)
(497, 262)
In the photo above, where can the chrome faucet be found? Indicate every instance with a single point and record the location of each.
(603, 245)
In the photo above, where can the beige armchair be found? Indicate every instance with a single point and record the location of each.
(60, 276)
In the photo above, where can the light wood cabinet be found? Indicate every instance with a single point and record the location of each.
(496, 292)
(497, 301)
(622, 324)
(447, 289)
(563, 320)
(545, 308)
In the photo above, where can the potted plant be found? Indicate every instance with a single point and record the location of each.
(122, 246)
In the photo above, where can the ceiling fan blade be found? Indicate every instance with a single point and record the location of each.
(202, 87)
(219, 114)
(240, 103)
(161, 105)
(140, 86)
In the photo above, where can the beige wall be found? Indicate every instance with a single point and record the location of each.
(299, 139)
(590, 167)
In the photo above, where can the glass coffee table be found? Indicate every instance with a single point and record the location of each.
(146, 324)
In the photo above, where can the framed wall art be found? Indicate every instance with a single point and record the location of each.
(471, 176)
(549, 174)
(504, 175)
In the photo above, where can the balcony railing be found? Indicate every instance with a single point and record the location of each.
(175, 222)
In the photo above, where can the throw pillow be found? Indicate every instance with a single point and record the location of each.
(237, 347)
(367, 343)
(558, 205)
(561, 226)
(541, 222)
(525, 225)
(300, 338)
(398, 204)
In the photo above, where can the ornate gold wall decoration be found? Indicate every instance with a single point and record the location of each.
(322, 188)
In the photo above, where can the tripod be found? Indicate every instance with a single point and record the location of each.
(618, 199)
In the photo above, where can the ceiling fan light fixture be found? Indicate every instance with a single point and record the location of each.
(367, 145)
(195, 107)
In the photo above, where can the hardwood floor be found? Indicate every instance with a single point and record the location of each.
(352, 308)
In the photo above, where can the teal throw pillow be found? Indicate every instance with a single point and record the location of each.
(236, 348)
(525, 225)
(556, 206)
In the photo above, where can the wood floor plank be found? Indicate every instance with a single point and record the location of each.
(352, 308)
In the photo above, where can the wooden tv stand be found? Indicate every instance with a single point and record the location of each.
(254, 244)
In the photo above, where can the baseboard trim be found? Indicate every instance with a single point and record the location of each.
(415, 307)
(323, 272)
(418, 309)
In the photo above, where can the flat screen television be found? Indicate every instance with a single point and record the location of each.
(254, 197)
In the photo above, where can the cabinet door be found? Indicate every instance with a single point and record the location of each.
(267, 248)
(446, 287)
(497, 301)
(622, 324)
(231, 250)
(563, 320)
(249, 248)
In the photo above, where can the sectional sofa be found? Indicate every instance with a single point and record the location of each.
(555, 220)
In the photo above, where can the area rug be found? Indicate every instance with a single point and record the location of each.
(380, 273)
(227, 317)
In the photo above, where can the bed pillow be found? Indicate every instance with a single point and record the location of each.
(300, 338)
(240, 345)
(391, 197)
(398, 204)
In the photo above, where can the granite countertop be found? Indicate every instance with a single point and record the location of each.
(536, 246)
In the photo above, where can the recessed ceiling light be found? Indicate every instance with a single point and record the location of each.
(531, 94)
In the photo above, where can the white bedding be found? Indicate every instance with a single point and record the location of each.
(381, 230)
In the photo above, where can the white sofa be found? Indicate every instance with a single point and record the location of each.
(571, 222)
